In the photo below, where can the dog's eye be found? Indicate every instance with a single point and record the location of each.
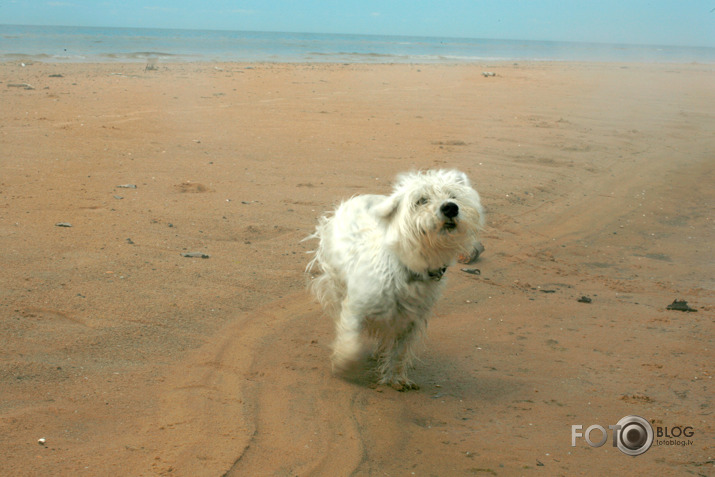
(422, 201)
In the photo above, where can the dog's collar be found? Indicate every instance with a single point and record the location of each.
(435, 274)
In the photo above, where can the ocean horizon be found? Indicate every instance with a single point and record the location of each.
(100, 44)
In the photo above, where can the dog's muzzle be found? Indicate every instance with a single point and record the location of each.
(450, 210)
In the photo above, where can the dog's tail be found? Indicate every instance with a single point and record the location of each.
(322, 280)
(314, 264)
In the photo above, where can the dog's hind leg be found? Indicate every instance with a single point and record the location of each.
(348, 345)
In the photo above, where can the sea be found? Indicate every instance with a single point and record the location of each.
(87, 44)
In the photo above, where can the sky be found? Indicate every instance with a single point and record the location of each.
(657, 22)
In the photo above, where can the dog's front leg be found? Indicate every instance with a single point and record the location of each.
(395, 356)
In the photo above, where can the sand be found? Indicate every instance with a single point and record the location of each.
(129, 358)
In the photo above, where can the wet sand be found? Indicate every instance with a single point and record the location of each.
(129, 358)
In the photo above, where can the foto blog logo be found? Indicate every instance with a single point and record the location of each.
(633, 435)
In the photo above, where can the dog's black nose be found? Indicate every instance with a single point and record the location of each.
(449, 209)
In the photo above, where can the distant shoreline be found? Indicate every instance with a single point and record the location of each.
(430, 37)
(99, 45)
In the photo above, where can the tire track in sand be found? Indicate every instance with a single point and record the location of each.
(261, 401)
(304, 423)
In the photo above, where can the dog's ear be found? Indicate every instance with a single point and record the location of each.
(387, 208)
(462, 178)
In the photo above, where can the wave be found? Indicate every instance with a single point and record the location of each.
(140, 55)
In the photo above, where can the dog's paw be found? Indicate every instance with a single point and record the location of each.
(402, 387)
(403, 384)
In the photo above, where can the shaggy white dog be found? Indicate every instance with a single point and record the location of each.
(379, 266)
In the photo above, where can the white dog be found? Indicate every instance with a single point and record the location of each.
(380, 263)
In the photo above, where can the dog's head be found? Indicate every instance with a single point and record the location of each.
(431, 217)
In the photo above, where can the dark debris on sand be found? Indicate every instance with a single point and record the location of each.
(680, 305)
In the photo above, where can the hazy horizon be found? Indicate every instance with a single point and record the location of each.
(217, 30)
(638, 22)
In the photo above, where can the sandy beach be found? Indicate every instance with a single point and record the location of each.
(129, 358)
